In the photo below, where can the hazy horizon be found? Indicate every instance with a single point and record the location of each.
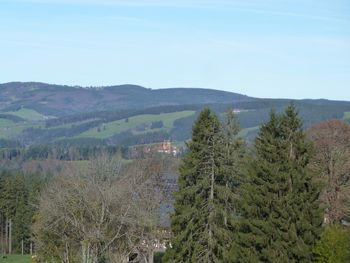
(125, 84)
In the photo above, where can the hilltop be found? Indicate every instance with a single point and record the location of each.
(58, 100)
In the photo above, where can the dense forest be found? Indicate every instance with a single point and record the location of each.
(281, 197)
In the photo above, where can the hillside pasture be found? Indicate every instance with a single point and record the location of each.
(10, 129)
(28, 114)
(5, 122)
(109, 129)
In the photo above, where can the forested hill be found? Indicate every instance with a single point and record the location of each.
(57, 100)
(37, 113)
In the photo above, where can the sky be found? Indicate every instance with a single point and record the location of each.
(261, 48)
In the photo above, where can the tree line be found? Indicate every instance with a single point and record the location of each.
(284, 200)
(19, 194)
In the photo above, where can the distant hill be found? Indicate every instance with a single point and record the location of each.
(37, 113)
(56, 100)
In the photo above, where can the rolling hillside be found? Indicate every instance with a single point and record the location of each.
(56, 100)
(38, 113)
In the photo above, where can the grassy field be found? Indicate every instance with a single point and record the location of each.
(28, 114)
(346, 115)
(9, 129)
(5, 122)
(119, 126)
(14, 259)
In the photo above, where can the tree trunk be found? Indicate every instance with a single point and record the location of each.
(150, 256)
(10, 236)
(6, 235)
(211, 204)
(85, 251)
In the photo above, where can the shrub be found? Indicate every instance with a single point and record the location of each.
(334, 245)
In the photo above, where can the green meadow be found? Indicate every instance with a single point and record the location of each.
(119, 126)
(14, 259)
(28, 114)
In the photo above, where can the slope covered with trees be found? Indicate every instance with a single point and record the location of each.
(283, 198)
(39, 113)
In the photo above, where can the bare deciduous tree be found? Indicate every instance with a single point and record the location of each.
(104, 211)
(332, 162)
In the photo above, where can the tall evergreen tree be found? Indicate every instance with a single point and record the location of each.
(202, 223)
(233, 149)
(17, 199)
(280, 214)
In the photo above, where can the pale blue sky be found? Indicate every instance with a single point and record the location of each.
(262, 48)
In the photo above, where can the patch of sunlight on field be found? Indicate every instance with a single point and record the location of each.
(346, 115)
(116, 127)
(28, 114)
(5, 123)
(9, 129)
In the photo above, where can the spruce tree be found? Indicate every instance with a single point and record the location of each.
(202, 220)
(280, 214)
(233, 149)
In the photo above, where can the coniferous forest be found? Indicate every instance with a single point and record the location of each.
(283, 198)
(262, 204)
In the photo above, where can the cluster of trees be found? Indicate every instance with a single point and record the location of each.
(108, 116)
(59, 152)
(285, 199)
(31, 136)
(157, 125)
(106, 212)
(18, 195)
(255, 111)
(10, 117)
(266, 204)
(331, 160)
(4, 143)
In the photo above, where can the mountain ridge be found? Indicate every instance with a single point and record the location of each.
(48, 98)
(33, 113)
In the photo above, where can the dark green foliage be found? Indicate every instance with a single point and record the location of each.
(65, 100)
(8, 143)
(157, 125)
(158, 257)
(127, 138)
(182, 128)
(280, 215)
(203, 220)
(63, 151)
(18, 196)
(334, 245)
(11, 117)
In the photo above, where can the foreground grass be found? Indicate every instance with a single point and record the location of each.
(14, 259)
